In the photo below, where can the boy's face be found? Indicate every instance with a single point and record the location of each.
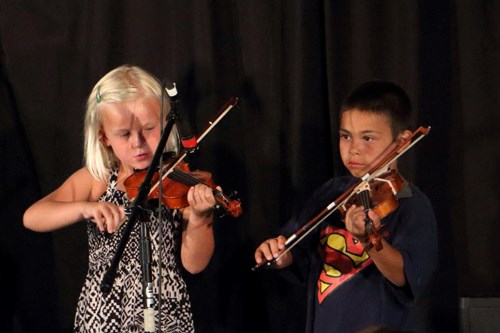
(363, 137)
(132, 130)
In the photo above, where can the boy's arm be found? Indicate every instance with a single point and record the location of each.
(388, 260)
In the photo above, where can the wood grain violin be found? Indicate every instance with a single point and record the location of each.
(175, 186)
(379, 195)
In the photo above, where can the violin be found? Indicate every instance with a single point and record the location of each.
(378, 178)
(175, 186)
(379, 195)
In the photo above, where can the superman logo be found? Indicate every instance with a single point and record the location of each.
(342, 255)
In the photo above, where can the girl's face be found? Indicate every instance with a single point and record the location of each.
(363, 137)
(132, 130)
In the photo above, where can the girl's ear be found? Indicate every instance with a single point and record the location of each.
(103, 138)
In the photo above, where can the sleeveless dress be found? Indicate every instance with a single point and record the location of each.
(121, 310)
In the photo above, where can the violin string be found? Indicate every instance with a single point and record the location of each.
(184, 178)
(189, 180)
(364, 198)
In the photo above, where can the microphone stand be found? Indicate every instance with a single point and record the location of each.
(137, 206)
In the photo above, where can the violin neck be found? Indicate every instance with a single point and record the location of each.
(364, 195)
(184, 178)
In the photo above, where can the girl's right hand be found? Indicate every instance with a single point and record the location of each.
(271, 249)
(108, 216)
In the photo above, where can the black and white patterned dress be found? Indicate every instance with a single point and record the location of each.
(121, 310)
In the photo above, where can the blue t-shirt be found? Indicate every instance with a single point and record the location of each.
(346, 291)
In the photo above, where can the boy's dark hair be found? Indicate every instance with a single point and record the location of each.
(381, 97)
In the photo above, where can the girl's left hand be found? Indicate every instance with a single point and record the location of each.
(201, 200)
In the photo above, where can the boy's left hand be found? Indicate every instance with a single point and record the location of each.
(355, 220)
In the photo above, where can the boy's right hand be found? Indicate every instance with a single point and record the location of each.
(106, 215)
(271, 249)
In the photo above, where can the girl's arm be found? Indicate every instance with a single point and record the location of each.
(73, 201)
(197, 237)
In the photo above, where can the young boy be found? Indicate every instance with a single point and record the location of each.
(351, 285)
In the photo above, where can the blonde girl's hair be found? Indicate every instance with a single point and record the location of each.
(121, 84)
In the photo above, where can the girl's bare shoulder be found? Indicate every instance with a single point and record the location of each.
(80, 186)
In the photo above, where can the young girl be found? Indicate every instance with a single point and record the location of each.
(122, 131)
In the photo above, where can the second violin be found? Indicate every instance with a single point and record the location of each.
(378, 195)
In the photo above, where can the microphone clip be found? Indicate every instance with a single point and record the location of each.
(188, 139)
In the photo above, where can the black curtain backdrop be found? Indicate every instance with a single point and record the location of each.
(290, 63)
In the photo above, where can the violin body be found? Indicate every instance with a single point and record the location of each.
(175, 186)
(173, 193)
(379, 195)
(382, 194)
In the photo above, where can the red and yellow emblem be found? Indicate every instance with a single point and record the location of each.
(343, 257)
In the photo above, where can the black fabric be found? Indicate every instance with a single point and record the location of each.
(27, 273)
(290, 63)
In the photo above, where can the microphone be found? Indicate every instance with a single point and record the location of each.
(188, 139)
